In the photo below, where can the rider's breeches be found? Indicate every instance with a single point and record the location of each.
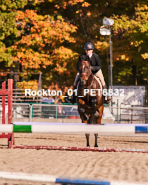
(99, 74)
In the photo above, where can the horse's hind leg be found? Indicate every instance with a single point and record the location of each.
(87, 139)
(96, 145)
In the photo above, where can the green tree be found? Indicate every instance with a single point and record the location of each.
(8, 29)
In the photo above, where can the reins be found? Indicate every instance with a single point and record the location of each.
(85, 74)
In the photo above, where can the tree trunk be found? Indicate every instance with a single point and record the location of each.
(134, 74)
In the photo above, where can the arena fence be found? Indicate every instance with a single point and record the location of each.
(54, 111)
(133, 113)
(48, 111)
(126, 114)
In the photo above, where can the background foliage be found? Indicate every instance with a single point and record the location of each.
(48, 35)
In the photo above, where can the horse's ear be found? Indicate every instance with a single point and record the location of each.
(84, 58)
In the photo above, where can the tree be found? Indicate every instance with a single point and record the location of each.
(48, 36)
(44, 48)
(130, 46)
(8, 30)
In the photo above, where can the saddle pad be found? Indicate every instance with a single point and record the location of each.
(98, 80)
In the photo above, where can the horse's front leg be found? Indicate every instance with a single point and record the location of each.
(94, 111)
(100, 110)
(87, 140)
(85, 117)
(82, 110)
(96, 145)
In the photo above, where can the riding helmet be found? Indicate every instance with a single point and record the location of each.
(88, 46)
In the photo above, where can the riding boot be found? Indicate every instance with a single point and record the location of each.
(73, 98)
(107, 99)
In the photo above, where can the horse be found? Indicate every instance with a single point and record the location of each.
(90, 105)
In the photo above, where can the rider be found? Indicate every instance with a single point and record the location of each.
(95, 67)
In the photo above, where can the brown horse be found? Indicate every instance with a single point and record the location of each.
(89, 96)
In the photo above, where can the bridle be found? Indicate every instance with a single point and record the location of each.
(85, 74)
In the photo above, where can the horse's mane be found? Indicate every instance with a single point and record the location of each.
(84, 57)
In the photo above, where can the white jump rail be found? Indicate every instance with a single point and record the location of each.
(74, 129)
(62, 180)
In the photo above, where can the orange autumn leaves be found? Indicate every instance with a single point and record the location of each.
(32, 84)
(43, 45)
(65, 56)
(64, 4)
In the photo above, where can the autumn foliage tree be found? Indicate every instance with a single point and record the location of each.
(8, 29)
(48, 35)
(130, 33)
(44, 48)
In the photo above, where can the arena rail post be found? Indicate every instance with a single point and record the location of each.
(3, 103)
(117, 112)
(30, 112)
(9, 93)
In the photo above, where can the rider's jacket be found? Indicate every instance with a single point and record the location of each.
(94, 62)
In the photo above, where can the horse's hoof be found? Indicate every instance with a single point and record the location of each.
(96, 146)
(96, 114)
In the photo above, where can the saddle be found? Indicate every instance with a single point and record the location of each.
(99, 82)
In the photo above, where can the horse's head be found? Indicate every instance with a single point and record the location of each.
(84, 69)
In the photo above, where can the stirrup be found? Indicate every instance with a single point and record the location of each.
(67, 100)
(108, 100)
(71, 100)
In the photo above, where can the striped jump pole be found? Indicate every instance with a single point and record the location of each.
(74, 129)
(60, 180)
(8, 93)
